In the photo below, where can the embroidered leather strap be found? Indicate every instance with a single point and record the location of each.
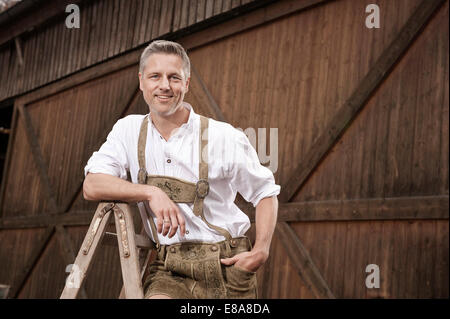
(142, 174)
(142, 141)
(178, 190)
(202, 184)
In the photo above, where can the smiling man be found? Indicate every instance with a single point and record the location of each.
(185, 173)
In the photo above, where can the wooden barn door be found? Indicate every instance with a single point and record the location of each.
(362, 119)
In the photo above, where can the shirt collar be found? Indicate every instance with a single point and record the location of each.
(185, 127)
(190, 122)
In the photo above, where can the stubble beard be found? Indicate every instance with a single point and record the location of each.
(172, 109)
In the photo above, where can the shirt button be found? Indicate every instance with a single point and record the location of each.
(187, 232)
(169, 161)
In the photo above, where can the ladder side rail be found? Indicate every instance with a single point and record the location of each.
(87, 252)
(128, 251)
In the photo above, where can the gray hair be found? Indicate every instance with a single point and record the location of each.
(166, 47)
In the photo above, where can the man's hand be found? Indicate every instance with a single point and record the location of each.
(168, 215)
(249, 260)
(266, 218)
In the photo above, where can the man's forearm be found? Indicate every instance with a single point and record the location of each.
(98, 187)
(265, 220)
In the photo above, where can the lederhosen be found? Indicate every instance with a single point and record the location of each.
(197, 263)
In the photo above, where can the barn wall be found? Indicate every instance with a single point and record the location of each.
(378, 196)
(296, 77)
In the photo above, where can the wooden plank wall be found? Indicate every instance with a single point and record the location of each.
(296, 77)
(107, 28)
(378, 196)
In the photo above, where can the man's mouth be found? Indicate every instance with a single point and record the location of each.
(164, 97)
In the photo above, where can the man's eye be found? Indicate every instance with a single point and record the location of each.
(154, 76)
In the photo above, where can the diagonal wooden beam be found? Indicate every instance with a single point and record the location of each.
(32, 261)
(302, 261)
(212, 105)
(37, 156)
(347, 113)
(70, 199)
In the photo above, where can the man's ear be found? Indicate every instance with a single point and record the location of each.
(140, 81)
(187, 84)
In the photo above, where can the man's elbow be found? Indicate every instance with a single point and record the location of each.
(271, 200)
(88, 189)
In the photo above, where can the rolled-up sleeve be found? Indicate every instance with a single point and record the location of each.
(251, 179)
(111, 158)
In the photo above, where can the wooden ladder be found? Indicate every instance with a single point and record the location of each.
(129, 245)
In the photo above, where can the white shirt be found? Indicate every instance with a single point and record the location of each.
(233, 166)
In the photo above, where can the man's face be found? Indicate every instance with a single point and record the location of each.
(163, 83)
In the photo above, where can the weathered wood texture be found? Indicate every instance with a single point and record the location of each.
(379, 193)
(412, 256)
(107, 28)
(298, 81)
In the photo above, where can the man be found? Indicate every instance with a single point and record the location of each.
(185, 171)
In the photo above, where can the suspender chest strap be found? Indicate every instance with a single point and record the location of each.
(178, 190)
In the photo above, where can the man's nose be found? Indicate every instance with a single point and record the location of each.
(164, 84)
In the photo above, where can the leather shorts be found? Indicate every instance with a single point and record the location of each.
(193, 270)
